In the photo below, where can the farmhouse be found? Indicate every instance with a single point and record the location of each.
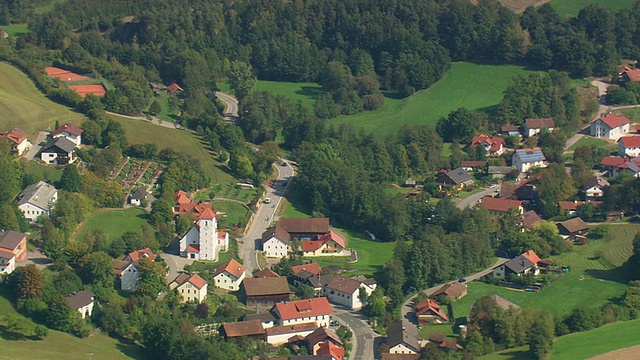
(138, 197)
(330, 244)
(402, 338)
(82, 302)
(184, 205)
(535, 126)
(17, 140)
(250, 328)
(265, 292)
(610, 126)
(510, 130)
(190, 287)
(492, 145)
(441, 340)
(315, 310)
(72, 132)
(346, 291)
(203, 241)
(428, 311)
(573, 228)
(320, 336)
(616, 165)
(279, 335)
(267, 319)
(275, 242)
(594, 187)
(330, 349)
(229, 275)
(454, 291)
(454, 180)
(37, 200)
(525, 159)
(629, 74)
(629, 146)
(497, 206)
(60, 151)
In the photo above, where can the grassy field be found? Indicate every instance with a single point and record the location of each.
(427, 329)
(58, 345)
(465, 85)
(16, 30)
(24, 107)
(303, 91)
(632, 114)
(140, 132)
(582, 345)
(114, 222)
(572, 7)
(169, 112)
(372, 255)
(594, 279)
(598, 143)
(234, 214)
(50, 174)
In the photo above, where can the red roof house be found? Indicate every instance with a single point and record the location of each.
(630, 74)
(314, 310)
(330, 349)
(312, 268)
(17, 139)
(173, 88)
(429, 311)
(497, 206)
(139, 254)
(493, 146)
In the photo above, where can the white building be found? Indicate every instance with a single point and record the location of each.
(315, 310)
(279, 335)
(229, 275)
(275, 242)
(70, 131)
(82, 301)
(402, 338)
(190, 287)
(610, 126)
(128, 274)
(594, 187)
(525, 159)
(60, 151)
(37, 200)
(7, 262)
(17, 139)
(629, 146)
(535, 126)
(346, 291)
(203, 241)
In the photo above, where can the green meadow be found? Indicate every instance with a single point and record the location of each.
(566, 8)
(114, 222)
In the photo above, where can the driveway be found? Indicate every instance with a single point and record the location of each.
(472, 200)
(364, 338)
(175, 262)
(37, 258)
(35, 146)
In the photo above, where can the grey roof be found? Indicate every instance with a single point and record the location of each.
(39, 194)
(320, 280)
(10, 239)
(519, 264)
(62, 143)
(459, 175)
(140, 194)
(80, 299)
(403, 332)
(500, 169)
(264, 317)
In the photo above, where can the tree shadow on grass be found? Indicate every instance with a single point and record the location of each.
(131, 350)
(616, 275)
(310, 91)
(514, 355)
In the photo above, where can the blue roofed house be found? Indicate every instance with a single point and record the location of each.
(525, 159)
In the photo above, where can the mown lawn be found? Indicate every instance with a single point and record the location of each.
(16, 30)
(234, 214)
(302, 91)
(59, 345)
(50, 174)
(24, 107)
(582, 345)
(141, 131)
(465, 85)
(426, 329)
(595, 277)
(598, 143)
(632, 114)
(566, 8)
(114, 222)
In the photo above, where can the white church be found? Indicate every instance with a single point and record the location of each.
(203, 241)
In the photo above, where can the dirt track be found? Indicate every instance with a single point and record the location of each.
(518, 6)
(630, 353)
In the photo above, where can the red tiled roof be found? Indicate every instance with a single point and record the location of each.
(633, 74)
(614, 161)
(532, 256)
(573, 205)
(630, 141)
(194, 279)
(173, 87)
(337, 238)
(494, 143)
(232, 267)
(539, 123)
(180, 197)
(194, 248)
(473, 163)
(16, 136)
(310, 245)
(329, 348)
(138, 254)
(613, 121)
(70, 128)
(207, 214)
(243, 328)
(266, 273)
(290, 329)
(313, 268)
(427, 305)
(322, 334)
(496, 204)
(83, 90)
(289, 310)
(529, 218)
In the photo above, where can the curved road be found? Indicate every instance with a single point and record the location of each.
(231, 106)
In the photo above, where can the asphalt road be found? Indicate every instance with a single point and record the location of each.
(264, 216)
(231, 108)
(471, 201)
(363, 339)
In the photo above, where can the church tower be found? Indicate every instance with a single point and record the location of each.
(208, 235)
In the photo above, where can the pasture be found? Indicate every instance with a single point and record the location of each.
(598, 143)
(23, 106)
(595, 277)
(114, 222)
(15, 30)
(632, 114)
(467, 85)
(583, 345)
(142, 131)
(303, 91)
(566, 8)
(233, 214)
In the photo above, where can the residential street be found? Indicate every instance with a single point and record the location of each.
(363, 339)
(471, 201)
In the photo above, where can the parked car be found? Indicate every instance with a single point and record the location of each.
(463, 280)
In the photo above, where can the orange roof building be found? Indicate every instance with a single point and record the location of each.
(139, 254)
(229, 275)
(190, 287)
(314, 310)
(428, 311)
(17, 140)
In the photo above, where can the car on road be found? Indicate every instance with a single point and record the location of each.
(463, 280)
(267, 200)
(334, 323)
(284, 163)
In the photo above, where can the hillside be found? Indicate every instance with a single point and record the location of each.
(24, 107)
